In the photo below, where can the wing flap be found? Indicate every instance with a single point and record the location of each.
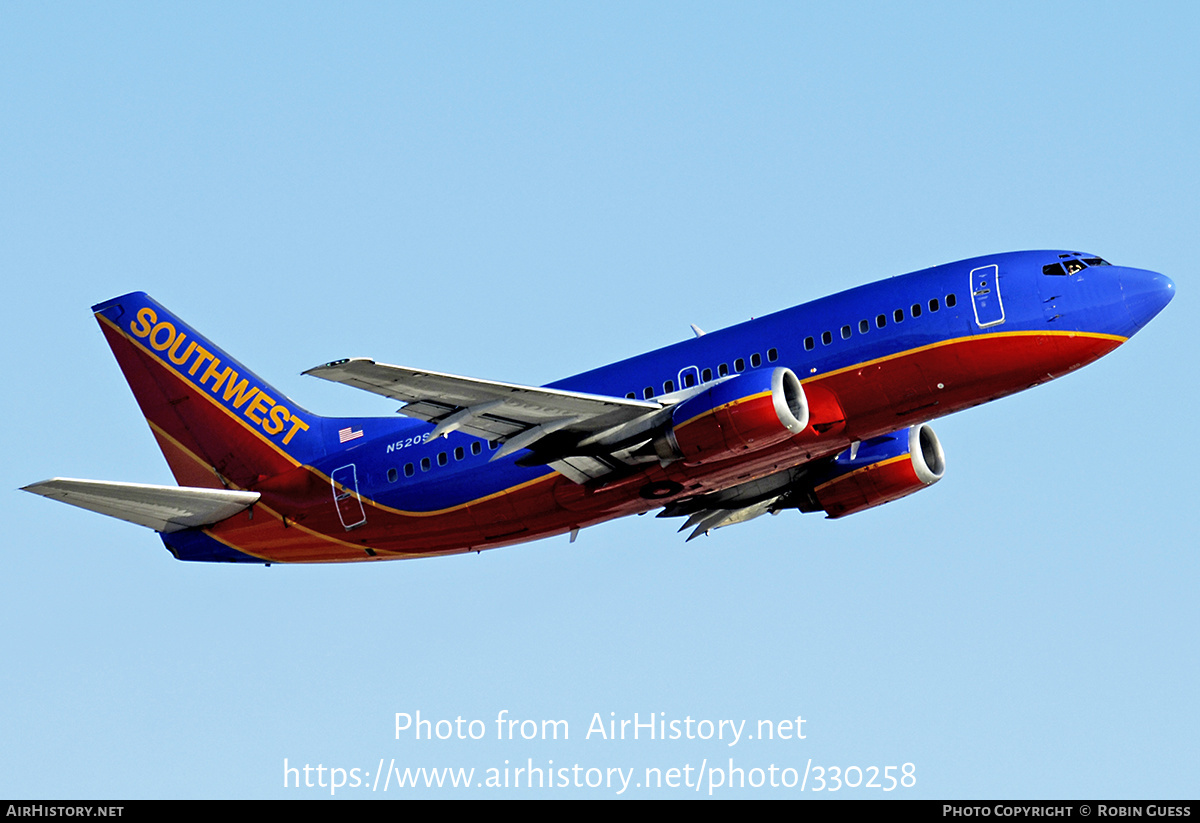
(162, 508)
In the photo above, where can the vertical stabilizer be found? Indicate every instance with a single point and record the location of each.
(218, 424)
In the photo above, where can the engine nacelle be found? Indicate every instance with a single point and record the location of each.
(883, 469)
(751, 411)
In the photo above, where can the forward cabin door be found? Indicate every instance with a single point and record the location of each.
(985, 295)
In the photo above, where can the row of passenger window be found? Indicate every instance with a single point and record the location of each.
(881, 321)
(442, 458)
(688, 378)
(689, 375)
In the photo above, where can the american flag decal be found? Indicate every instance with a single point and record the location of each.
(348, 433)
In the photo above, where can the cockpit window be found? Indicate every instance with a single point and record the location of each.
(1072, 265)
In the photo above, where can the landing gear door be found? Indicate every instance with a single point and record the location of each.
(345, 496)
(985, 296)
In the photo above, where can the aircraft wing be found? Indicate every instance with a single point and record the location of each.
(577, 425)
(162, 508)
(736, 504)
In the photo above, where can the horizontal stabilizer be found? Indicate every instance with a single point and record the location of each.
(162, 508)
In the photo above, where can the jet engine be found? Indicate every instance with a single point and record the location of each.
(878, 471)
(750, 411)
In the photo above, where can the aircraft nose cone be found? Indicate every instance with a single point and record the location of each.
(1146, 293)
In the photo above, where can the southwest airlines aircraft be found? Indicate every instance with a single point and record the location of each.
(821, 407)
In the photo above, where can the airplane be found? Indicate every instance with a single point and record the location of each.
(824, 407)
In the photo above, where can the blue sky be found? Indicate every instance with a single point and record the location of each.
(521, 192)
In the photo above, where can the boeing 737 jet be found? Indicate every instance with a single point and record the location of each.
(824, 407)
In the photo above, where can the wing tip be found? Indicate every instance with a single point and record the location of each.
(315, 371)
